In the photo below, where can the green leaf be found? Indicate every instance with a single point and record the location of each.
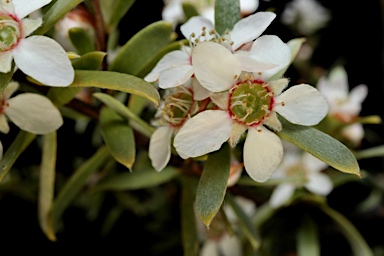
(189, 10)
(47, 181)
(5, 78)
(139, 179)
(118, 136)
(21, 142)
(245, 223)
(213, 184)
(307, 238)
(321, 145)
(227, 14)
(55, 13)
(358, 244)
(377, 151)
(81, 39)
(74, 185)
(89, 61)
(119, 9)
(141, 49)
(188, 224)
(116, 81)
(137, 104)
(135, 122)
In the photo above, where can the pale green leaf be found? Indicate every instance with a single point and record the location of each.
(139, 179)
(137, 104)
(213, 184)
(189, 10)
(119, 9)
(135, 122)
(21, 142)
(307, 238)
(89, 61)
(358, 244)
(321, 145)
(116, 81)
(82, 40)
(227, 14)
(377, 151)
(140, 50)
(118, 136)
(47, 181)
(74, 185)
(55, 13)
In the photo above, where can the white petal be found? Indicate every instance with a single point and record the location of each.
(250, 28)
(45, 60)
(319, 183)
(236, 132)
(10, 89)
(251, 65)
(175, 76)
(195, 25)
(336, 87)
(271, 49)
(358, 94)
(7, 7)
(235, 174)
(4, 126)
(173, 12)
(34, 113)
(273, 122)
(221, 99)
(25, 7)
(277, 86)
(313, 164)
(230, 245)
(199, 92)
(160, 147)
(281, 194)
(30, 25)
(209, 248)
(263, 152)
(354, 133)
(6, 61)
(203, 133)
(216, 68)
(303, 105)
(171, 59)
(249, 6)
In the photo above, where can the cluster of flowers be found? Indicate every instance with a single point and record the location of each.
(226, 88)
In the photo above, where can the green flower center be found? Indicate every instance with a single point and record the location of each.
(250, 102)
(177, 106)
(9, 33)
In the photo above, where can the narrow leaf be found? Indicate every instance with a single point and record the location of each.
(119, 9)
(307, 238)
(321, 145)
(74, 185)
(140, 50)
(213, 184)
(377, 151)
(358, 244)
(21, 142)
(189, 10)
(188, 223)
(143, 178)
(81, 39)
(47, 181)
(137, 104)
(227, 14)
(245, 223)
(136, 123)
(55, 13)
(5, 78)
(89, 61)
(116, 81)
(118, 136)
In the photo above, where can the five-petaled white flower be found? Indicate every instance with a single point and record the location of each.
(299, 169)
(40, 57)
(31, 112)
(247, 102)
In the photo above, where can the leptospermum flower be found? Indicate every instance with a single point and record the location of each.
(176, 68)
(31, 112)
(299, 169)
(246, 103)
(40, 57)
(344, 105)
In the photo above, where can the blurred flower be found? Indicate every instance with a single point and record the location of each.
(31, 112)
(299, 169)
(247, 103)
(307, 16)
(40, 57)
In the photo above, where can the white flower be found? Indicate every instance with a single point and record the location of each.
(40, 57)
(176, 68)
(31, 112)
(307, 15)
(300, 169)
(246, 103)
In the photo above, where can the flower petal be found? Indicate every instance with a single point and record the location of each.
(281, 194)
(25, 7)
(277, 86)
(302, 104)
(230, 245)
(319, 183)
(160, 147)
(34, 113)
(199, 92)
(271, 49)
(354, 133)
(251, 65)
(263, 152)
(251, 27)
(195, 26)
(7, 7)
(313, 164)
(10, 89)
(236, 132)
(209, 248)
(358, 94)
(336, 86)
(221, 99)
(216, 68)
(4, 126)
(45, 60)
(30, 25)
(203, 133)
(175, 76)
(273, 122)
(6, 61)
